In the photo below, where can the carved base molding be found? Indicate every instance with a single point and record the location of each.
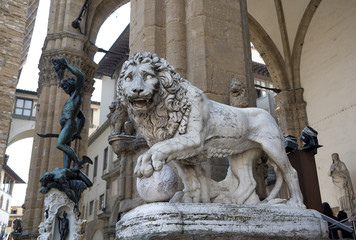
(220, 221)
(56, 202)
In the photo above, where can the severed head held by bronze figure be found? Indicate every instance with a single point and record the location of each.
(59, 65)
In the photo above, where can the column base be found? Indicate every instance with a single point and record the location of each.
(55, 204)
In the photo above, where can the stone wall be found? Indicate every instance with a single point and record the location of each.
(328, 77)
(206, 41)
(12, 27)
(30, 24)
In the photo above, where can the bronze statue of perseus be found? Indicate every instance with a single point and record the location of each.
(72, 118)
(69, 180)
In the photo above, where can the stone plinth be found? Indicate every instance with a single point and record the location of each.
(55, 203)
(304, 162)
(220, 221)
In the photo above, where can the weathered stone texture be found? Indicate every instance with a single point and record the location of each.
(190, 221)
(12, 26)
(147, 31)
(30, 24)
(203, 39)
(216, 46)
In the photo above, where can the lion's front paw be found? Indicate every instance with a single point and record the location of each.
(142, 170)
(148, 162)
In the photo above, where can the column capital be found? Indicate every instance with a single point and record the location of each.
(291, 111)
(78, 59)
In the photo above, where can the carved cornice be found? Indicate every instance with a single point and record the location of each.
(65, 34)
(62, 35)
(113, 174)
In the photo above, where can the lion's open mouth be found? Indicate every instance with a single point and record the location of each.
(141, 103)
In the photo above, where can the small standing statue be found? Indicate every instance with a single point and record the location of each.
(342, 180)
(63, 225)
(17, 225)
(119, 119)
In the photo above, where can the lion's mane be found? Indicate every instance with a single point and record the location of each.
(172, 110)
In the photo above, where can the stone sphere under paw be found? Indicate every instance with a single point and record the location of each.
(160, 187)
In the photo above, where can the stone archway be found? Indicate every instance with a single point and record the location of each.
(285, 70)
(276, 66)
(21, 135)
(101, 12)
(269, 53)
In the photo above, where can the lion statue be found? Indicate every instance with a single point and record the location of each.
(181, 124)
(238, 95)
(120, 122)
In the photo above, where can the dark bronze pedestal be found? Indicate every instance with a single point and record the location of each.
(304, 163)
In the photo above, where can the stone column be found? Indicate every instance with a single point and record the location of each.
(147, 26)
(61, 40)
(218, 47)
(291, 112)
(207, 41)
(176, 36)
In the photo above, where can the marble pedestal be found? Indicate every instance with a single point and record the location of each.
(188, 221)
(56, 202)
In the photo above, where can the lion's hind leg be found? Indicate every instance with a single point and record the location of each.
(195, 183)
(274, 148)
(242, 166)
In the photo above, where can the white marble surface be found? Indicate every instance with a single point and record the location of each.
(159, 187)
(261, 221)
(55, 202)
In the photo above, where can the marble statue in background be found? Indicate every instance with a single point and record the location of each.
(342, 180)
(181, 124)
(120, 122)
(238, 95)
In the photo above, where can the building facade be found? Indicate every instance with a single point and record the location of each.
(12, 27)
(7, 180)
(16, 212)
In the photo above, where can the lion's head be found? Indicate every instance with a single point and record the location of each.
(238, 97)
(155, 95)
